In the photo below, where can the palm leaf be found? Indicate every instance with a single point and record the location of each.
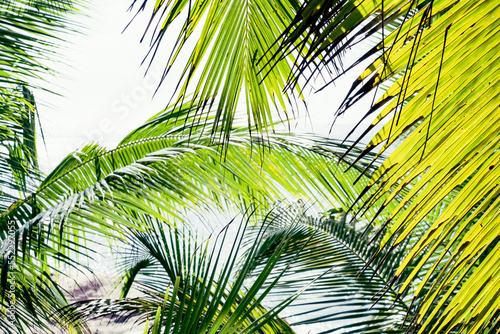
(353, 294)
(223, 61)
(442, 67)
(204, 293)
(28, 36)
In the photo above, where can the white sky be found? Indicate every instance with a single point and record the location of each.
(105, 93)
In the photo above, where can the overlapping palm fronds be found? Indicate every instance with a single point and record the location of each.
(27, 37)
(437, 194)
(352, 294)
(225, 41)
(320, 269)
(192, 286)
(162, 170)
(441, 65)
(28, 32)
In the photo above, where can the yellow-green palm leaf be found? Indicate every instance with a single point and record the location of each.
(442, 67)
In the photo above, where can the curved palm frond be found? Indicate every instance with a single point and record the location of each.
(190, 286)
(441, 65)
(352, 294)
(145, 158)
(229, 39)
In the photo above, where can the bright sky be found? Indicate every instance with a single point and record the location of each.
(105, 93)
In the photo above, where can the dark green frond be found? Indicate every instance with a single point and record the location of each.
(351, 294)
(18, 154)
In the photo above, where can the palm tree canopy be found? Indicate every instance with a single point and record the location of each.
(433, 203)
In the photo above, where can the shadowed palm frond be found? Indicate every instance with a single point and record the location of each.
(190, 286)
(352, 294)
(18, 155)
(327, 260)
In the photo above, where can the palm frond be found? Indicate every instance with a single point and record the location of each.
(441, 65)
(29, 35)
(195, 287)
(352, 294)
(229, 39)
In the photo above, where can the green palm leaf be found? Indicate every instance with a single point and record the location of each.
(204, 292)
(27, 40)
(229, 39)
